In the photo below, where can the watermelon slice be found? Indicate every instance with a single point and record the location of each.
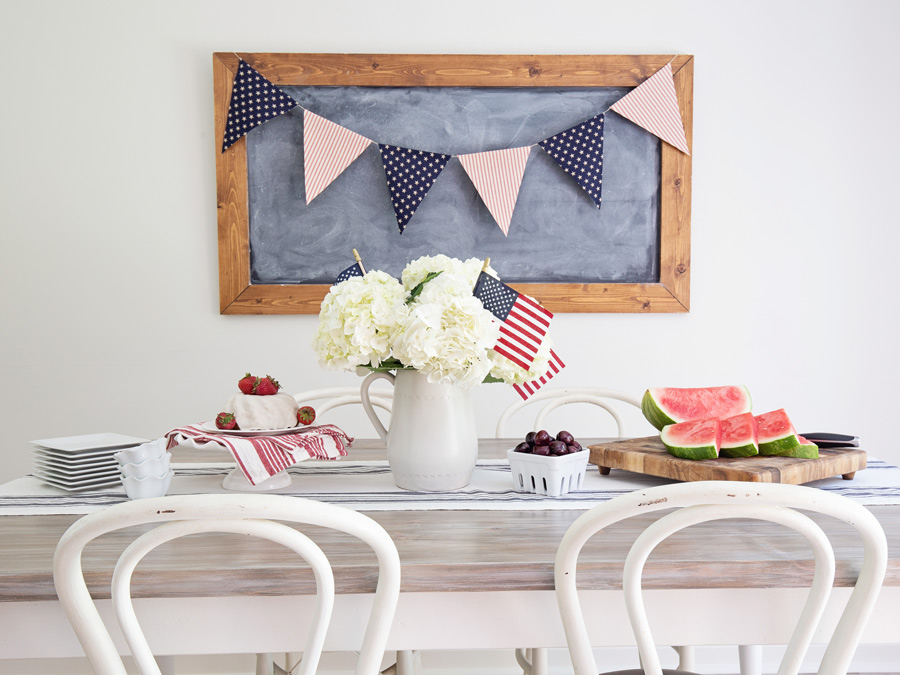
(806, 450)
(670, 405)
(776, 433)
(698, 439)
(739, 436)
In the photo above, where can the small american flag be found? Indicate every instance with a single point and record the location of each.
(529, 388)
(353, 271)
(497, 176)
(523, 322)
(653, 105)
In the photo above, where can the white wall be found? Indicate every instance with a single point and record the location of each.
(109, 262)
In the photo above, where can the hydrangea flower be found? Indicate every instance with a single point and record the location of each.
(448, 333)
(359, 320)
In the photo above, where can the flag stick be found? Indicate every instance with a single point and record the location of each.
(487, 262)
(359, 261)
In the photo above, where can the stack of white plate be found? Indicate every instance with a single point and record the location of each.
(76, 463)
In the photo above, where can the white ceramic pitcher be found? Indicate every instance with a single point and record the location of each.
(432, 442)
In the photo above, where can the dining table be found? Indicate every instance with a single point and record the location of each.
(476, 566)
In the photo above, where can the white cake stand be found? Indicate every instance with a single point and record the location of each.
(236, 480)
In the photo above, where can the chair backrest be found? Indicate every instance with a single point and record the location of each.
(259, 515)
(335, 397)
(714, 500)
(555, 398)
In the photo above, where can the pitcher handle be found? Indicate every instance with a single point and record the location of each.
(367, 404)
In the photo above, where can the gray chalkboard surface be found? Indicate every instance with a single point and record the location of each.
(278, 254)
(292, 242)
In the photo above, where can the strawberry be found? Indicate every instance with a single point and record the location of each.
(247, 383)
(225, 420)
(306, 415)
(266, 386)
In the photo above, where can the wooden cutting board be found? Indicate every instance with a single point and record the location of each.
(649, 456)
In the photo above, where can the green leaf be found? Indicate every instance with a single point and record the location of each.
(414, 293)
(490, 379)
(388, 365)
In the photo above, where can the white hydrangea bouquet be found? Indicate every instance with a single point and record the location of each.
(428, 321)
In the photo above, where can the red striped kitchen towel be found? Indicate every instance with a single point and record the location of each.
(261, 457)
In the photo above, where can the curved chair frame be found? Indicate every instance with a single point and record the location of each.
(710, 500)
(561, 397)
(251, 514)
(340, 396)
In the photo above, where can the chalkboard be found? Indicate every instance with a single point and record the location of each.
(280, 255)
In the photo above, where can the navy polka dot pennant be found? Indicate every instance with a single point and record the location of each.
(254, 100)
(579, 152)
(410, 175)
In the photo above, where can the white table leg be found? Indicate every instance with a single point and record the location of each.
(750, 657)
(685, 657)
(407, 662)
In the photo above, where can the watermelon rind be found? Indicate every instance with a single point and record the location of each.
(653, 412)
(780, 446)
(749, 450)
(704, 452)
(806, 450)
(700, 403)
(672, 437)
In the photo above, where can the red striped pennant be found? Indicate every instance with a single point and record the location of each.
(328, 149)
(529, 388)
(653, 105)
(497, 176)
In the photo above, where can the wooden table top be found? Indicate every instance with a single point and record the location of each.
(439, 550)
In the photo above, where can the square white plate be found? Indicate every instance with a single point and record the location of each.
(66, 472)
(73, 486)
(82, 458)
(80, 444)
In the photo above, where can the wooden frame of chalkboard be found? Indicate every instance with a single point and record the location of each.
(671, 293)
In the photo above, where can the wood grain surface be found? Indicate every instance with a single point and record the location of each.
(649, 456)
(440, 551)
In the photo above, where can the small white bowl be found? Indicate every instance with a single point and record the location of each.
(149, 467)
(151, 486)
(139, 453)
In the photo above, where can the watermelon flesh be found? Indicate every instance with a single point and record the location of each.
(671, 405)
(776, 433)
(739, 437)
(697, 439)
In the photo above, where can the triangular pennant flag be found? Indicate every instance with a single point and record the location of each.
(328, 149)
(553, 367)
(410, 175)
(497, 175)
(653, 105)
(579, 152)
(254, 100)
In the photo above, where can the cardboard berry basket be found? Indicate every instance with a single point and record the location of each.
(546, 474)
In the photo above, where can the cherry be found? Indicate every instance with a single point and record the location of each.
(565, 437)
(558, 448)
(542, 437)
(523, 447)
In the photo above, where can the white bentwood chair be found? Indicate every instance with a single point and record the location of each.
(324, 400)
(702, 501)
(613, 403)
(259, 515)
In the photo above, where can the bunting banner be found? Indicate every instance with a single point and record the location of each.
(579, 152)
(528, 389)
(254, 100)
(523, 321)
(653, 105)
(410, 175)
(497, 176)
(328, 149)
